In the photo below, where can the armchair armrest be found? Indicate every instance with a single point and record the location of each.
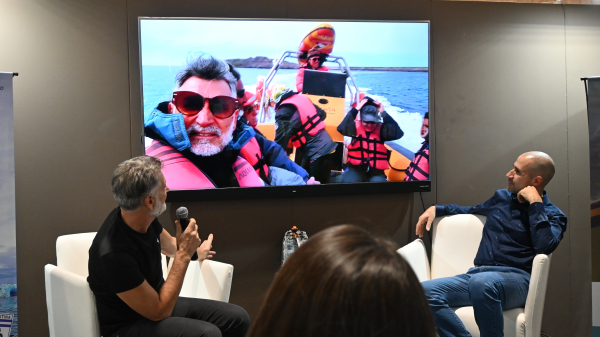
(534, 306)
(71, 304)
(208, 279)
(416, 255)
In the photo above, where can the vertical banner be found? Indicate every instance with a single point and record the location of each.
(593, 104)
(8, 251)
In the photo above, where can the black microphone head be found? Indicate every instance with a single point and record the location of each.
(182, 213)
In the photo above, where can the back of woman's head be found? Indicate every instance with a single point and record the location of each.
(344, 282)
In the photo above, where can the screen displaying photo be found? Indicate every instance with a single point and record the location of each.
(246, 103)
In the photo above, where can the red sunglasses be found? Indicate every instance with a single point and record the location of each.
(190, 103)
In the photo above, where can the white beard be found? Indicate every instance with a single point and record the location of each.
(203, 147)
(159, 208)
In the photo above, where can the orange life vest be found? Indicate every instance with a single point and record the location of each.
(368, 148)
(182, 174)
(311, 121)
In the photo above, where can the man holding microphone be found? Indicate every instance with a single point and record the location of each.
(125, 272)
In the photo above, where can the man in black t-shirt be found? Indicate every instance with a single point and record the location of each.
(125, 272)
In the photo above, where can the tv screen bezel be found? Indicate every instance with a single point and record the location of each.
(266, 192)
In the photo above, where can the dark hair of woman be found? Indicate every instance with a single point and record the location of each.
(345, 282)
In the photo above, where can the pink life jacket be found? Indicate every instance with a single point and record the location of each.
(419, 167)
(311, 121)
(368, 149)
(182, 174)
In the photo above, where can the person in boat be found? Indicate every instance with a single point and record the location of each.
(419, 167)
(125, 274)
(314, 61)
(250, 112)
(198, 138)
(299, 122)
(367, 154)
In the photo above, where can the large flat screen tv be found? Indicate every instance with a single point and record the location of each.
(280, 108)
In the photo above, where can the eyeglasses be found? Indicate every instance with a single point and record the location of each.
(190, 103)
(315, 58)
(249, 109)
(369, 123)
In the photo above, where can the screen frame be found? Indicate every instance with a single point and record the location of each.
(266, 192)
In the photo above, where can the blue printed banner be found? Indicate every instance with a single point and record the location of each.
(8, 251)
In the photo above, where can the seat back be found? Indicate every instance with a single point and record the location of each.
(208, 279)
(72, 252)
(71, 304)
(455, 240)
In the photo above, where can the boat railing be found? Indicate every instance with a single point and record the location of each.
(339, 60)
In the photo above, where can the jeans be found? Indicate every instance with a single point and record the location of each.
(489, 289)
(193, 317)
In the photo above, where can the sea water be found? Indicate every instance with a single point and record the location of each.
(405, 95)
(8, 305)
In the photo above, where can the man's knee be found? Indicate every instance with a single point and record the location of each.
(482, 287)
(240, 319)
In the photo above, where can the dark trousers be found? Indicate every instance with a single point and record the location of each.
(358, 174)
(319, 168)
(193, 317)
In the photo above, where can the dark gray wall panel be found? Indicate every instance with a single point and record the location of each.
(71, 127)
(500, 91)
(583, 53)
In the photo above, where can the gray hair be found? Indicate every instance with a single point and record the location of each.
(135, 179)
(207, 67)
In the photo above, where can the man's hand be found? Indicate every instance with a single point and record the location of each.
(425, 221)
(312, 181)
(529, 194)
(379, 106)
(204, 251)
(361, 103)
(188, 241)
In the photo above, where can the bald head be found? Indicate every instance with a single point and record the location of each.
(540, 165)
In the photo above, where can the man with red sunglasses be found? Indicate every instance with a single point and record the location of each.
(314, 61)
(367, 154)
(197, 136)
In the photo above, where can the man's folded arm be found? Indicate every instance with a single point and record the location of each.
(142, 298)
(546, 228)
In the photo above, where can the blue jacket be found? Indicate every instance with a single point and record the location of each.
(170, 129)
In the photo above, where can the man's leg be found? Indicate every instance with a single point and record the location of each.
(353, 175)
(444, 293)
(320, 168)
(193, 317)
(493, 290)
(376, 176)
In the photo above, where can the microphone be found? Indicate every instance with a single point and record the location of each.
(184, 220)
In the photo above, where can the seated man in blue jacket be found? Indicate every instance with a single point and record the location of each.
(521, 222)
(197, 136)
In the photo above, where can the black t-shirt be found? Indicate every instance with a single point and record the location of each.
(120, 260)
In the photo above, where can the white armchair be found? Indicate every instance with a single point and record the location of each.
(71, 303)
(455, 240)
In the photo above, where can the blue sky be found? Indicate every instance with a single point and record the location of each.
(362, 44)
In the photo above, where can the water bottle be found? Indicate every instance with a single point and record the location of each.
(292, 239)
